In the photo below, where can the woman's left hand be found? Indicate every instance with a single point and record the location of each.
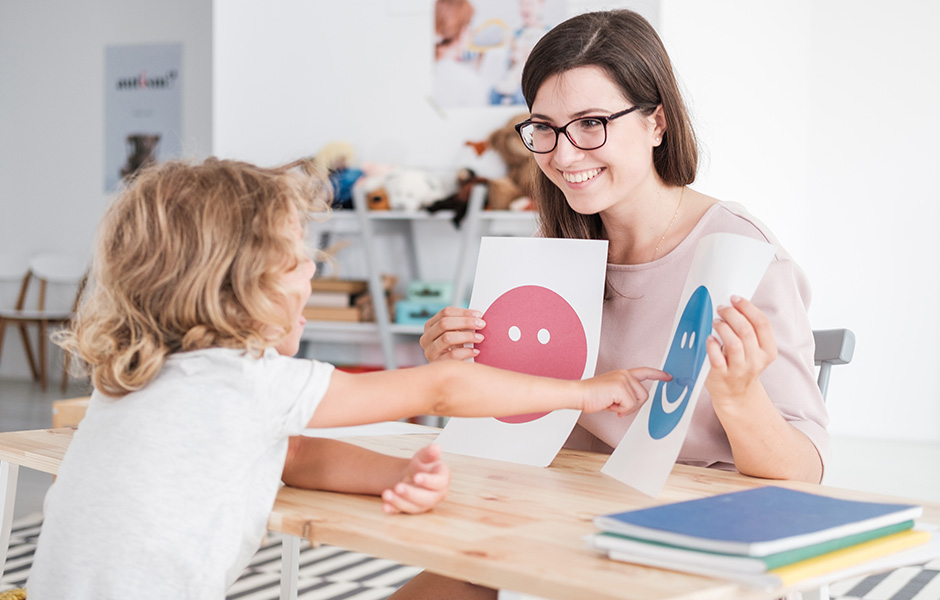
(746, 348)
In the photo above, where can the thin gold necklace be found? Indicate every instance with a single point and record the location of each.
(671, 221)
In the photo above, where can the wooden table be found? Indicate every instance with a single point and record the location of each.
(508, 526)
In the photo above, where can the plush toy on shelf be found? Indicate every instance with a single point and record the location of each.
(336, 159)
(458, 201)
(513, 191)
(404, 189)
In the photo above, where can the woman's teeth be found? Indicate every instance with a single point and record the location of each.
(580, 176)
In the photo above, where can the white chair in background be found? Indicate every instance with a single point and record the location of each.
(47, 274)
(12, 272)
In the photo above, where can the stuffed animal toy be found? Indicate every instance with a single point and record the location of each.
(512, 192)
(405, 189)
(377, 199)
(466, 179)
(336, 159)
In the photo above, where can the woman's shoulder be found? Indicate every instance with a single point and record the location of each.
(731, 217)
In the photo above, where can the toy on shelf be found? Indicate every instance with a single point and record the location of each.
(510, 192)
(424, 300)
(514, 191)
(403, 189)
(336, 160)
(466, 179)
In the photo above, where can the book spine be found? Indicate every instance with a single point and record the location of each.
(851, 556)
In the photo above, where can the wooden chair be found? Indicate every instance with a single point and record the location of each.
(48, 270)
(12, 271)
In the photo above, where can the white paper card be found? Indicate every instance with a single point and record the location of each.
(724, 264)
(542, 300)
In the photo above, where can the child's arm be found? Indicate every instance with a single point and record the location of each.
(462, 389)
(410, 486)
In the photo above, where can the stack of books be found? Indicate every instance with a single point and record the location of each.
(334, 300)
(768, 537)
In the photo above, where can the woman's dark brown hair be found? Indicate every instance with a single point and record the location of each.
(626, 47)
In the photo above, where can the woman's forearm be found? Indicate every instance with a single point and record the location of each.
(763, 443)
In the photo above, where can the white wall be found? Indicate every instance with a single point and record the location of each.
(821, 117)
(52, 114)
(872, 160)
(814, 114)
(291, 76)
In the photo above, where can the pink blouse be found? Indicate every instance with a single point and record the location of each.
(636, 328)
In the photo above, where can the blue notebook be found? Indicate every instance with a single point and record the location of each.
(755, 522)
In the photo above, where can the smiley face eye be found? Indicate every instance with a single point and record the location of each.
(692, 339)
(684, 335)
(544, 336)
(514, 333)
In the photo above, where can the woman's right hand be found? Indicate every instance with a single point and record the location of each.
(447, 333)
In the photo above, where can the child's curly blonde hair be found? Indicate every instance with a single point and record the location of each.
(189, 257)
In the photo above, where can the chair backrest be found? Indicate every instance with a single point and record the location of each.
(12, 271)
(57, 268)
(54, 272)
(833, 347)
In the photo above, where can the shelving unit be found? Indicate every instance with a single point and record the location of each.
(367, 224)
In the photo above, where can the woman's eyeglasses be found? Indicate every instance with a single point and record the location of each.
(586, 133)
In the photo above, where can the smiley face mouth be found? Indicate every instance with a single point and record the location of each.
(670, 407)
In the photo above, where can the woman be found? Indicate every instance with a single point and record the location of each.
(616, 151)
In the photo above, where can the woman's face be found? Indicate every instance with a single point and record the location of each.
(593, 181)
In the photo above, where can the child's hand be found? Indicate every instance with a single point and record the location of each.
(747, 347)
(423, 484)
(620, 391)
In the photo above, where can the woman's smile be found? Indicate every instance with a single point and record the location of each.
(580, 176)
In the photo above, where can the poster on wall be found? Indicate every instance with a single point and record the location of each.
(143, 108)
(480, 47)
(542, 301)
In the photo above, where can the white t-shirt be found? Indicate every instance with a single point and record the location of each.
(166, 492)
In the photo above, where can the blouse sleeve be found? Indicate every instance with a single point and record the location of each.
(790, 381)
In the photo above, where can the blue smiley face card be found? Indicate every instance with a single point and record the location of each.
(724, 264)
(670, 399)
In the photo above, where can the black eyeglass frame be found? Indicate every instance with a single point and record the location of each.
(564, 129)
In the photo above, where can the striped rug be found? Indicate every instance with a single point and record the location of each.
(330, 573)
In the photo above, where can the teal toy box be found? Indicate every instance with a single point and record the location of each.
(423, 291)
(410, 312)
(425, 299)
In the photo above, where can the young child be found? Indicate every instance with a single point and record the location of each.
(200, 277)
